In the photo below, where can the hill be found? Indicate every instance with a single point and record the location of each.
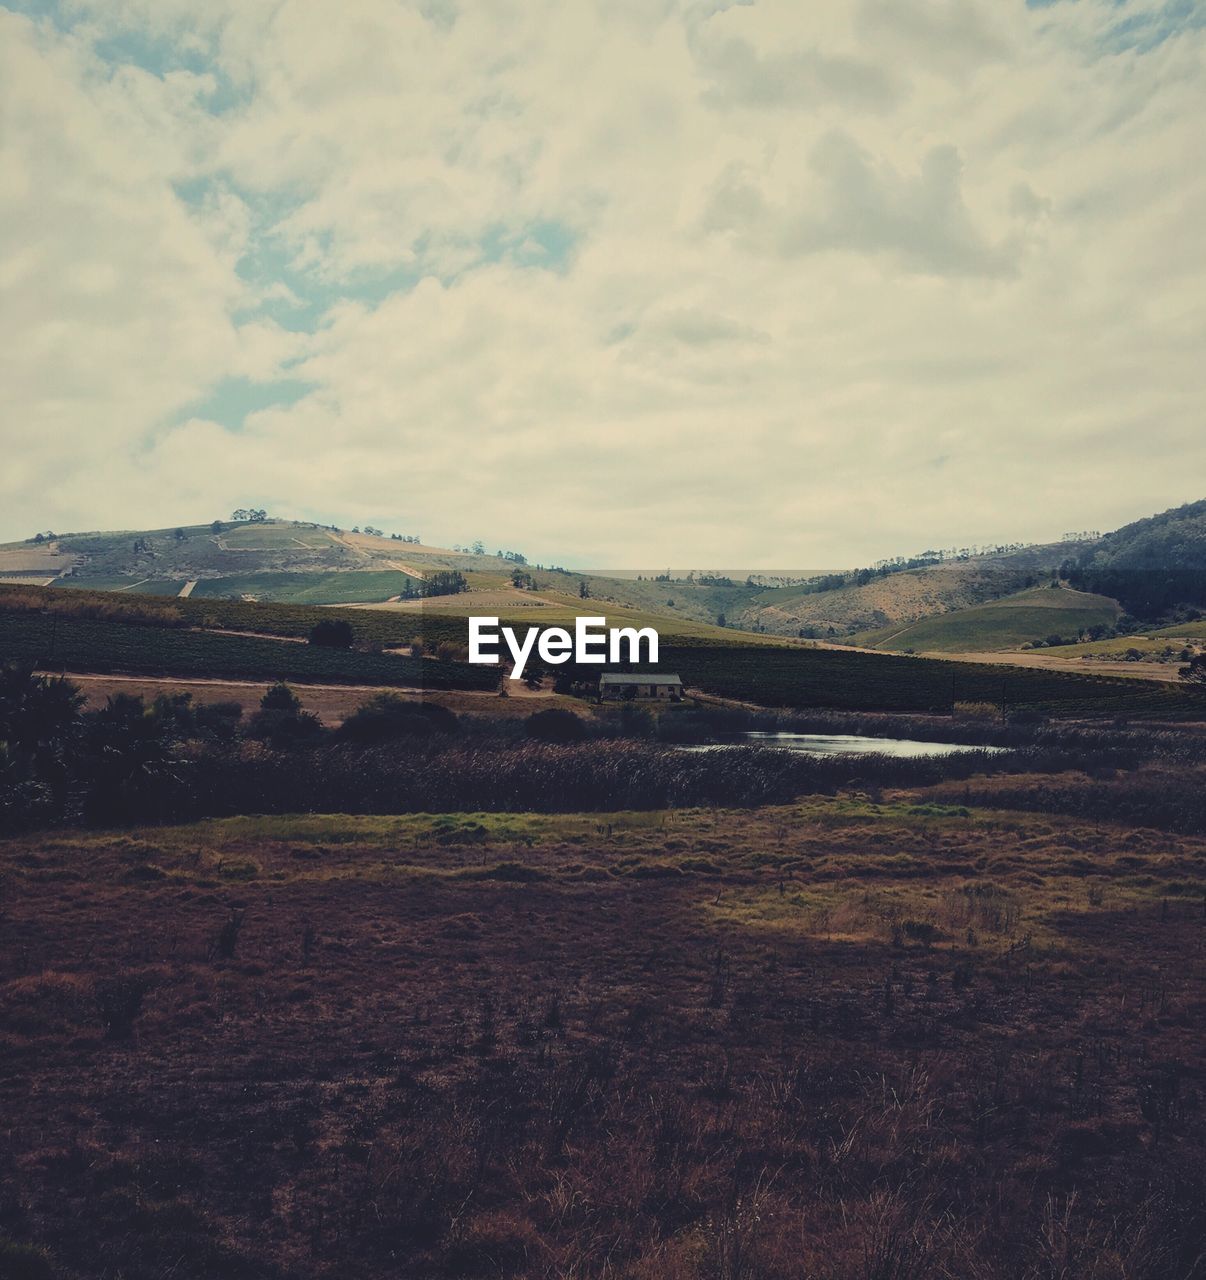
(899, 592)
(1150, 565)
(290, 561)
(224, 548)
(1026, 616)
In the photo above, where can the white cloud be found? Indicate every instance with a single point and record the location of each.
(804, 252)
(851, 203)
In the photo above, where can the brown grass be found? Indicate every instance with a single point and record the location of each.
(842, 1039)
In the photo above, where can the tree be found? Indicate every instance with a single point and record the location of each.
(216, 527)
(584, 589)
(280, 697)
(36, 712)
(332, 633)
(721, 620)
(240, 515)
(444, 582)
(130, 767)
(180, 535)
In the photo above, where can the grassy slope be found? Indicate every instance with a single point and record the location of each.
(365, 585)
(1164, 645)
(549, 608)
(1001, 624)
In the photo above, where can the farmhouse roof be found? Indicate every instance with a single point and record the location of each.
(637, 677)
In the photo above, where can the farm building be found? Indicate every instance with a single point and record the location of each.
(637, 684)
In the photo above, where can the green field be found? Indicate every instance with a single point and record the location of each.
(1166, 645)
(366, 586)
(1003, 624)
(275, 537)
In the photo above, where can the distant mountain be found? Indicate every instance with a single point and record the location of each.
(1150, 566)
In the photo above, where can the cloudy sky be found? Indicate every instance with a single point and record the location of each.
(614, 282)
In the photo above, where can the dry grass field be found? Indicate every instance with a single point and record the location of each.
(856, 1038)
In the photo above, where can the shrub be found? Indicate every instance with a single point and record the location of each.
(636, 721)
(555, 725)
(280, 698)
(332, 633)
(286, 728)
(387, 717)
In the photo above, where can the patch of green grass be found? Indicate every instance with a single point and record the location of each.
(1002, 624)
(361, 586)
(276, 537)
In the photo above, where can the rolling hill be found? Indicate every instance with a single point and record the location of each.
(972, 600)
(1008, 623)
(1151, 565)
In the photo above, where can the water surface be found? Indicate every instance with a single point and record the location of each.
(850, 744)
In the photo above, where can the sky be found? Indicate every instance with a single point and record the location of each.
(617, 283)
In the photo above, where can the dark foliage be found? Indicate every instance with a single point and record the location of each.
(279, 697)
(1152, 565)
(95, 645)
(332, 633)
(387, 718)
(555, 725)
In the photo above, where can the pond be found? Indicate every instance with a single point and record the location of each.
(849, 744)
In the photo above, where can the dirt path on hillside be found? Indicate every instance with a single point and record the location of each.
(405, 568)
(187, 589)
(255, 635)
